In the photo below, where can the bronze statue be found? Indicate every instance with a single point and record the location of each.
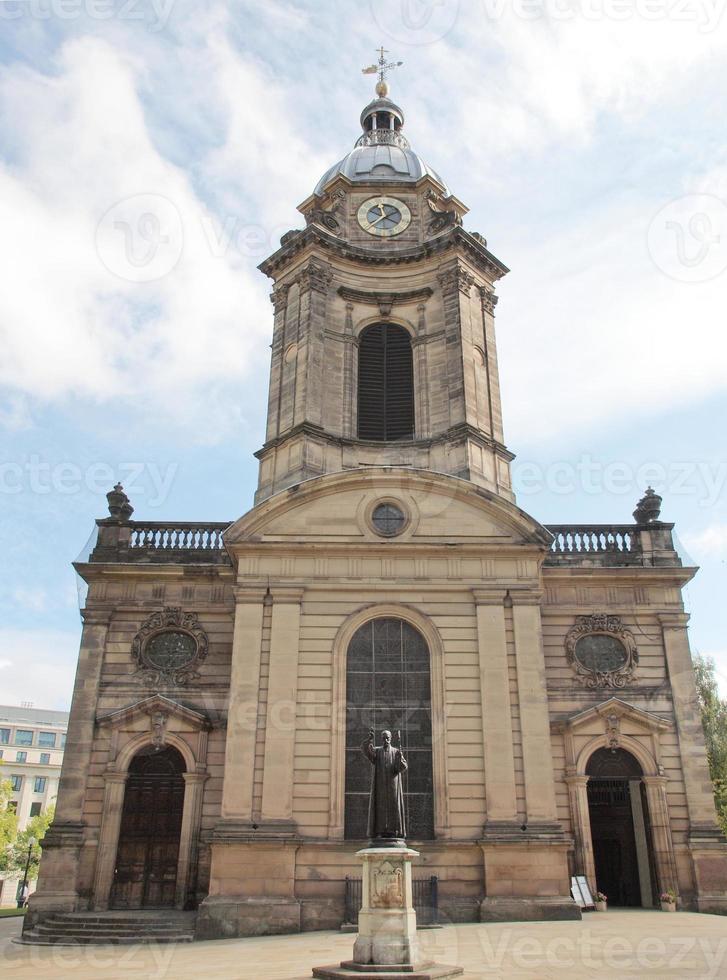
(387, 818)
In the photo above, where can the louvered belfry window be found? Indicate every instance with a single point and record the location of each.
(385, 384)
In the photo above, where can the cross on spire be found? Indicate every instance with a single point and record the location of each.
(382, 68)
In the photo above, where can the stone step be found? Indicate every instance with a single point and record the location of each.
(116, 939)
(110, 924)
(125, 928)
(45, 929)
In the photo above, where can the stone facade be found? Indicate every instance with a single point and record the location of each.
(271, 602)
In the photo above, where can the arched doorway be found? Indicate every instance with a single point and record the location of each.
(620, 833)
(145, 875)
(388, 685)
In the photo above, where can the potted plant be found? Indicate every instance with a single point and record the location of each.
(601, 902)
(668, 901)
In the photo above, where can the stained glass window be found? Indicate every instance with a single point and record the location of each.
(388, 686)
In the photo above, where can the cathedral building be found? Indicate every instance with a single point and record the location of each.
(538, 679)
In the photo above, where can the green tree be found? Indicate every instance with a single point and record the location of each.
(37, 826)
(8, 824)
(714, 721)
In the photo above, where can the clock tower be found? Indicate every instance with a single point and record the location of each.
(384, 336)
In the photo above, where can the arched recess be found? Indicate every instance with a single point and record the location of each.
(157, 715)
(338, 710)
(385, 379)
(147, 852)
(617, 725)
(645, 759)
(620, 828)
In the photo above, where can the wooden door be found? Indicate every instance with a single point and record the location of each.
(146, 859)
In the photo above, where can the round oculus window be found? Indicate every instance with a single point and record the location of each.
(171, 650)
(388, 519)
(600, 653)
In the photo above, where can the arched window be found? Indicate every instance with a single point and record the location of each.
(385, 384)
(388, 686)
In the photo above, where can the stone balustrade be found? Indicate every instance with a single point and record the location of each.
(612, 544)
(194, 542)
(154, 542)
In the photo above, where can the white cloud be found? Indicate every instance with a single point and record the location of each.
(597, 333)
(38, 665)
(710, 542)
(68, 324)
(234, 143)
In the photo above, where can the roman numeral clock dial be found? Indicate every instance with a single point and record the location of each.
(384, 216)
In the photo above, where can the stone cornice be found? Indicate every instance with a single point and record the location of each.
(454, 434)
(479, 256)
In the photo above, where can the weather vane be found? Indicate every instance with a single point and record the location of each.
(381, 69)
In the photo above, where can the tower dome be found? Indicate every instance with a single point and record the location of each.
(382, 152)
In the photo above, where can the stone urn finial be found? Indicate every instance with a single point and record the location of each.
(648, 508)
(119, 506)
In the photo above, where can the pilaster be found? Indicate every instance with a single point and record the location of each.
(82, 721)
(661, 832)
(242, 713)
(695, 770)
(534, 717)
(113, 806)
(189, 838)
(500, 795)
(277, 796)
(581, 823)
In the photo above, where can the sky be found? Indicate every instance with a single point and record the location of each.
(151, 156)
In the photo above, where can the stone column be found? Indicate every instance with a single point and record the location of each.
(277, 796)
(661, 832)
(58, 884)
(500, 798)
(534, 718)
(695, 770)
(242, 712)
(113, 805)
(581, 821)
(189, 836)
(642, 847)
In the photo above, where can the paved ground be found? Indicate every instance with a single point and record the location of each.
(618, 944)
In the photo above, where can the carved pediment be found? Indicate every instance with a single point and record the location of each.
(612, 713)
(155, 708)
(337, 507)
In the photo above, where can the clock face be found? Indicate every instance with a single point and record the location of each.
(384, 216)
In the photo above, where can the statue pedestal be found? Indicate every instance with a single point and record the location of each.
(387, 944)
